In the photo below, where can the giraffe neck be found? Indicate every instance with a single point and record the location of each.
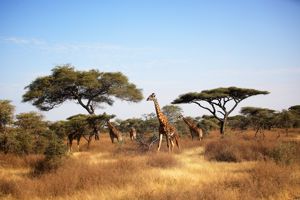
(159, 114)
(110, 125)
(188, 122)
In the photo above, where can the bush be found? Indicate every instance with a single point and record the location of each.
(285, 153)
(242, 149)
(234, 150)
(54, 153)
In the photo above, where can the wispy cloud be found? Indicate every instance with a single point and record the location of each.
(22, 41)
(73, 47)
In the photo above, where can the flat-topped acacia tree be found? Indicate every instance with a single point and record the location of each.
(90, 89)
(87, 88)
(220, 102)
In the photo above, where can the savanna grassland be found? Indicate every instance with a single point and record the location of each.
(237, 166)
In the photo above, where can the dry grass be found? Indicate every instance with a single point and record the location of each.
(120, 171)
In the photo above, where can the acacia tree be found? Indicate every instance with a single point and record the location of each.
(6, 114)
(220, 102)
(285, 119)
(87, 88)
(260, 118)
(295, 110)
(172, 112)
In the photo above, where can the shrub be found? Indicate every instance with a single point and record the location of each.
(285, 153)
(54, 153)
(242, 149)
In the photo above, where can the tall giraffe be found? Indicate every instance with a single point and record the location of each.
(114, 133)
(195, 131)
(165, 128)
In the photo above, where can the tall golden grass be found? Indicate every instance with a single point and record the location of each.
(121, 171)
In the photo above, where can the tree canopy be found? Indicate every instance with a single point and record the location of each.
(172, 112)
(220, 102)
(6, 113)
(88, 88)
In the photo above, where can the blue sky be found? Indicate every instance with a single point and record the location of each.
(166, 47)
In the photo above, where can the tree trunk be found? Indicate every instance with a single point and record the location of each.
(223, 126)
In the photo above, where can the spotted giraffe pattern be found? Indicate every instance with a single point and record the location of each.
(165, 128)
(194, 130)
(114, 133)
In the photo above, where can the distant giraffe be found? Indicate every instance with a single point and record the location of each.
(165, 128)
(77, 135)
(114, 133)
(132, 133)
(194, 130)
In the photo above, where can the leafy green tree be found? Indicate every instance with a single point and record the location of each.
(285, 119)
(59, 128)
(260, 118)
(150, 123)
(85, 126)
(32, 122)
(90, 89)
(7, 140)
(220, 102)
(126, 125)
(32, 132)
(295, 110)
(6, 114)
(207, 123)
(172, 112)
(87, 88)
(239, 122)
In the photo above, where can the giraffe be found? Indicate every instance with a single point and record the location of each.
(114, 133)
(165, 128)
(77, 135)
(132, 134)
(195, 131)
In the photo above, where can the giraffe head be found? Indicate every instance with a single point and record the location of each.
(180, 116)
(152, 97)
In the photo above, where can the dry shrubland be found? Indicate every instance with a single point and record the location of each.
(254, 169)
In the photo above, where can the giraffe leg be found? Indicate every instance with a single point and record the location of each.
(167, 141)
(78, 141)
(70, 144)
(160, 140)
(177, 143)
(172, 145)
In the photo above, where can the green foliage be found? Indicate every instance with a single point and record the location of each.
(88, 88)
(86, 124)
(59, 128)
(208, 123)
(172, 112)
(220, 102)
(285, 153)
(259, 118)
(55, 149)
(295, 110)
(238, 122)
(230, 93)
(8, 142)
(126, 125)
(151, 123)
(285, 119)
(54, 154)
(31, 122)
(6, 113)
